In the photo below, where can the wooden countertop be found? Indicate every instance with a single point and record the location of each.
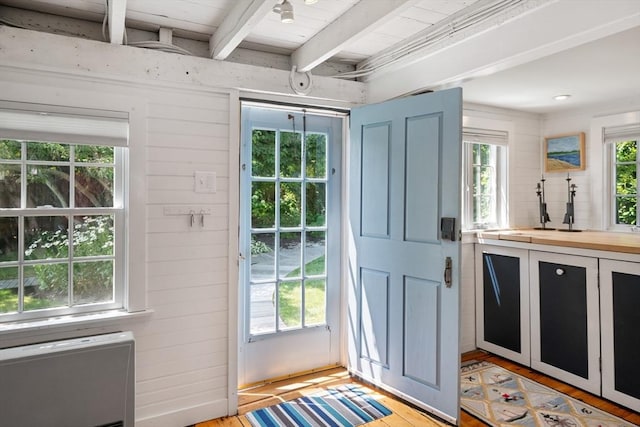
(598, 240)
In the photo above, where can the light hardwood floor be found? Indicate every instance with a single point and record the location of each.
(404, 415)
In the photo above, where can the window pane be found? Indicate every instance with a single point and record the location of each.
(316, 155)
(46, 286)
(626, 210)
(290, 204)
(626, 151)
(94, 187)
(8, 289)
(46, 237)
(626, 181)
(290, 154)
(314, 253)
(92, 282)
(290, 255)
(263, 153)
(262, 310)
(316, 204)
(263, 265)
(263, 205)
(10, 149)
(92, 235)
(9, 186)
(315, 301)
(94, 154)
(48, 186)
(47, 152)
(8, 239)
(290, 300)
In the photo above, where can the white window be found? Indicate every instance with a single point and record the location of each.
(622, 145)
(62, 213)
(484, 178)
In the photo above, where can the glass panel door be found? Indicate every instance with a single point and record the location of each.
(290, 207)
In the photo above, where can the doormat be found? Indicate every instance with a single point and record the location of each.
(500, 397)
(342, 406)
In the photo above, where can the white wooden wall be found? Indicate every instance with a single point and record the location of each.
(182, 346)
(588, 202)
(184, 118)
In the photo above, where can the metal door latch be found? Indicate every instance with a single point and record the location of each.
(447, 271)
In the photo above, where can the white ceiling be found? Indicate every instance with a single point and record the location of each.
(604, 70)
(361, 32)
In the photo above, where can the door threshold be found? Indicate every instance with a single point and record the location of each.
(296, 375)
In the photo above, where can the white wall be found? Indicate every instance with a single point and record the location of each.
(588, 199)
(184, 118)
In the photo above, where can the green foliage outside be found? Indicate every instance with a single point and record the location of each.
(483, 183)
(46, 237)
(626, 182)
(92, 281)
(291, 296)
(263, 166)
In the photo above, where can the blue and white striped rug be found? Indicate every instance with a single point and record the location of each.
(342, 406)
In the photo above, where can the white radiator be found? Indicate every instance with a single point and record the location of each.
(83, 382)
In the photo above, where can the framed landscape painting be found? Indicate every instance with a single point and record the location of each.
(564, 153)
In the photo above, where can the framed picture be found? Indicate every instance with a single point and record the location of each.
(564, 153)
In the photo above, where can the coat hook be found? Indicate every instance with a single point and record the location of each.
(201, 217)
(193, 218)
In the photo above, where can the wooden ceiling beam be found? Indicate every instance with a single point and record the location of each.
(116, 15)
(363, 18)
(238, 23)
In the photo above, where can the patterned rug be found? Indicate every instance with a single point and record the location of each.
(342, 406)
(502, 398)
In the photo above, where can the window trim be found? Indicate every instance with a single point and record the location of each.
(611, 183)
(84, 129)
(497, 132)
(602, 189)
(467, 180)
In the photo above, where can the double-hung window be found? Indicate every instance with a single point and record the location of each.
(484, 178)
(622, 145)
(62, 213)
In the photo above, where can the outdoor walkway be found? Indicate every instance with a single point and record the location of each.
(262, 306)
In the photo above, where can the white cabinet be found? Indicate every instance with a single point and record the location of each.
(502, 302)
(620, 329)
(565, 324)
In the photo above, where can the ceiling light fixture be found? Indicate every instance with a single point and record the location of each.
(285, 9)
(561, 97)
(310, 1)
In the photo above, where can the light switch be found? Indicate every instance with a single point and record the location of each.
(205, 182)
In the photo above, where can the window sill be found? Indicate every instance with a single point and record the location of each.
(78, 321)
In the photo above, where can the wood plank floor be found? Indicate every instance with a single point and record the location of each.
(404, 415)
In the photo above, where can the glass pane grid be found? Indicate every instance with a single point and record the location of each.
(38, 268)
(299, 177)
(625, 185)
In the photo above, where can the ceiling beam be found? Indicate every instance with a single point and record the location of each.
(364, 17)
(238, 23)
(116, 16)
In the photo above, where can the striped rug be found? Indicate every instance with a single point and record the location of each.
(342, 406)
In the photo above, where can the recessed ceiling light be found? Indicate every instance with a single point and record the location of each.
(561, 97)
(310, 1)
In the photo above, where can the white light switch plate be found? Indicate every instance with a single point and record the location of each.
(205, 182)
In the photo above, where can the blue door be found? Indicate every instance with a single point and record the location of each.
(403, 315)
